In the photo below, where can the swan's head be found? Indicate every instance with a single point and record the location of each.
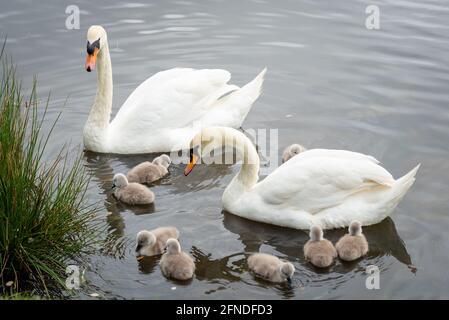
(292, 151)
(287, 270)
(212, 138)
(119, 181)
(316, 233)
(145, 239)
(355, 228)
(96, 40)
(172, 246)
(163, 160)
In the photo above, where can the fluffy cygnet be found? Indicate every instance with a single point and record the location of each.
(131, 193)
(151, 243)
(148, 172)
(176, 264)
(292, 151)
(162, 160)
(353, 245)
(270, 268)
(319, 251)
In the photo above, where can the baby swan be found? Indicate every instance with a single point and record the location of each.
(148, 172)
(151, 243)
(163, 160)
(319, 251)
(270, 268)
(176, 264)
(292, 151)
(131, 193)
(352, 246)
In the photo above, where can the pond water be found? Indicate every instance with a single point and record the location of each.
(331, 83)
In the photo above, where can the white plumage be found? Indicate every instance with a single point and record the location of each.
(164, 112)
(327, 188)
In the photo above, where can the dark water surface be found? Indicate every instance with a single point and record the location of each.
(331, 83)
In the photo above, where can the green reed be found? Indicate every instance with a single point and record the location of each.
(45, 222)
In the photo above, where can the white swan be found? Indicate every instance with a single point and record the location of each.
(166, 110)
(327, 188)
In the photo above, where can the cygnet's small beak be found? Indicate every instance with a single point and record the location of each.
(138, 247)
(193, 160)
(91, 60)
(113, 186)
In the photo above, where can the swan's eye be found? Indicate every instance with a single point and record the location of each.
(91, 46)
(193, 151)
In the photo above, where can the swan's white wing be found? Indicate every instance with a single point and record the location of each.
(171, 99)
(312, 183)
(342, 154)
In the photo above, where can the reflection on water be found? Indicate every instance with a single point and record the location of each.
(382, 238)
(331, 83)
(148, 264)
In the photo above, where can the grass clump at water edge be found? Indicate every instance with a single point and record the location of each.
(45, 222)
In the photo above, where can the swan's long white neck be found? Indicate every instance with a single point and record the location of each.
(101, 110)
(249, 172)
(100, 113)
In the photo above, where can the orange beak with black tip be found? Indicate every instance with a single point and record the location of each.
(91, 60)
(193, 160)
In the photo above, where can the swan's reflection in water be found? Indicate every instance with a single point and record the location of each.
(147, 265)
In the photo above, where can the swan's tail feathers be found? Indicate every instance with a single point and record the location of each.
(253, 89)
(243, 98)
(403, 184)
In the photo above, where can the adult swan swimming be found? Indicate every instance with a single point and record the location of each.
(166, 110)
(328, 188)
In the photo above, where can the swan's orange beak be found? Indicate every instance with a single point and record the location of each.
(91, 60)
(193, 160)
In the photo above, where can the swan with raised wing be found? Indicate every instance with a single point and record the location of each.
(164, 112)
(326, 188)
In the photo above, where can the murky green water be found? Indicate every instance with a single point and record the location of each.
(331, 83)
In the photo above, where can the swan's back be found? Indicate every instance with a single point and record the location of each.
(320, 253)
(172, 98)
(177, 266)
(351, 247)
(314, 180)
(265, 266)
(329, 188)
(168, 109)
